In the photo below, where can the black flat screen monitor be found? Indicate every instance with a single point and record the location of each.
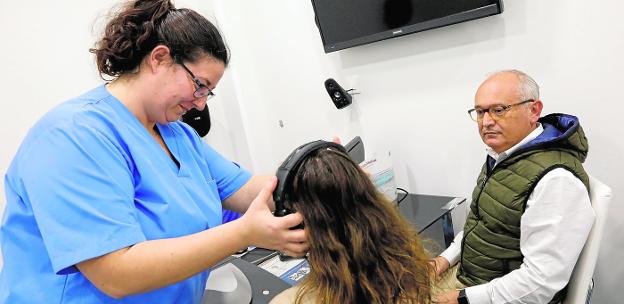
(347, 23)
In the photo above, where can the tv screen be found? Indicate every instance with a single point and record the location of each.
(348, 23)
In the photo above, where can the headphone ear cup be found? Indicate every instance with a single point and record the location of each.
(281, 209)
(286, 211)
(282, 212)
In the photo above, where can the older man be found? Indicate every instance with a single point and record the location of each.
(530, 214)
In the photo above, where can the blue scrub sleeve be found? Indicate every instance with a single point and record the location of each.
(229, 216)
(82, 195)
(229, 176)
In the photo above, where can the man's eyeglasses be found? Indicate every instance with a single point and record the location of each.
(496, 112)
(201, 90)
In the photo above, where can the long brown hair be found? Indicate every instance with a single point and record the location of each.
(361, 249)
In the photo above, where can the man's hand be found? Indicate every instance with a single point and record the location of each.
(447, 297)
(440, 264)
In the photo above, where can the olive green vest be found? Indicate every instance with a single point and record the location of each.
(491, 243)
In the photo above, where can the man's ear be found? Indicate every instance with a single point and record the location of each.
(536, 110)
(159, 57)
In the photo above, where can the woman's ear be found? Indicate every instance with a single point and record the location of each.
(159, 58)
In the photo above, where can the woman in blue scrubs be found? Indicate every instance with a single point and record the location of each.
(111, 199)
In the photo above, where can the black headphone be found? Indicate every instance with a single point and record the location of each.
(287, 171)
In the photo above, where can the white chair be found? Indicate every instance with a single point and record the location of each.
(581, 283)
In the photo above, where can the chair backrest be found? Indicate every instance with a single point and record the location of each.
(579, 291)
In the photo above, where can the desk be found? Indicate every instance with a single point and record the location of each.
(429, 214)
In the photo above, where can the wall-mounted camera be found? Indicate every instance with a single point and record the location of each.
(338, 95)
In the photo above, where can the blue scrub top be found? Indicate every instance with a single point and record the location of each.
(88, 180)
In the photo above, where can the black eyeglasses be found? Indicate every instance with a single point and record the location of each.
(496, 113)
(201, 89)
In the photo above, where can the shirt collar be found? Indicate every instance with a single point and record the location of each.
(498, 157)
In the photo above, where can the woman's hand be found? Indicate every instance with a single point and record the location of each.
(262, 229)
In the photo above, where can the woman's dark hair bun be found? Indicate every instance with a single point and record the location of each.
(141, 25)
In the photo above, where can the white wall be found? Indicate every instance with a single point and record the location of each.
(44, 59)
(416, 90)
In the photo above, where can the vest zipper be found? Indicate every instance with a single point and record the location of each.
(482, 185)
(505, 267)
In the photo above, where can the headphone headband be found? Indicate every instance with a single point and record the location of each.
(290, 166)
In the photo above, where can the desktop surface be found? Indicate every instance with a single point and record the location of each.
(431, 217)
(423, 210)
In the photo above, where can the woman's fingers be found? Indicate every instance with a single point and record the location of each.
(291, 220)
(296, 249)
(293, 240)
(296, 236)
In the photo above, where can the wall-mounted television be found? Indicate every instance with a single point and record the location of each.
(347, 23)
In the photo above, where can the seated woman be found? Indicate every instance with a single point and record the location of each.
(361, 249)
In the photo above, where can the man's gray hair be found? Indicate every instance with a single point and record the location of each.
(527, 87)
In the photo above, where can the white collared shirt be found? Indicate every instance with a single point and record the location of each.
(553, 230)
(503, 155)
